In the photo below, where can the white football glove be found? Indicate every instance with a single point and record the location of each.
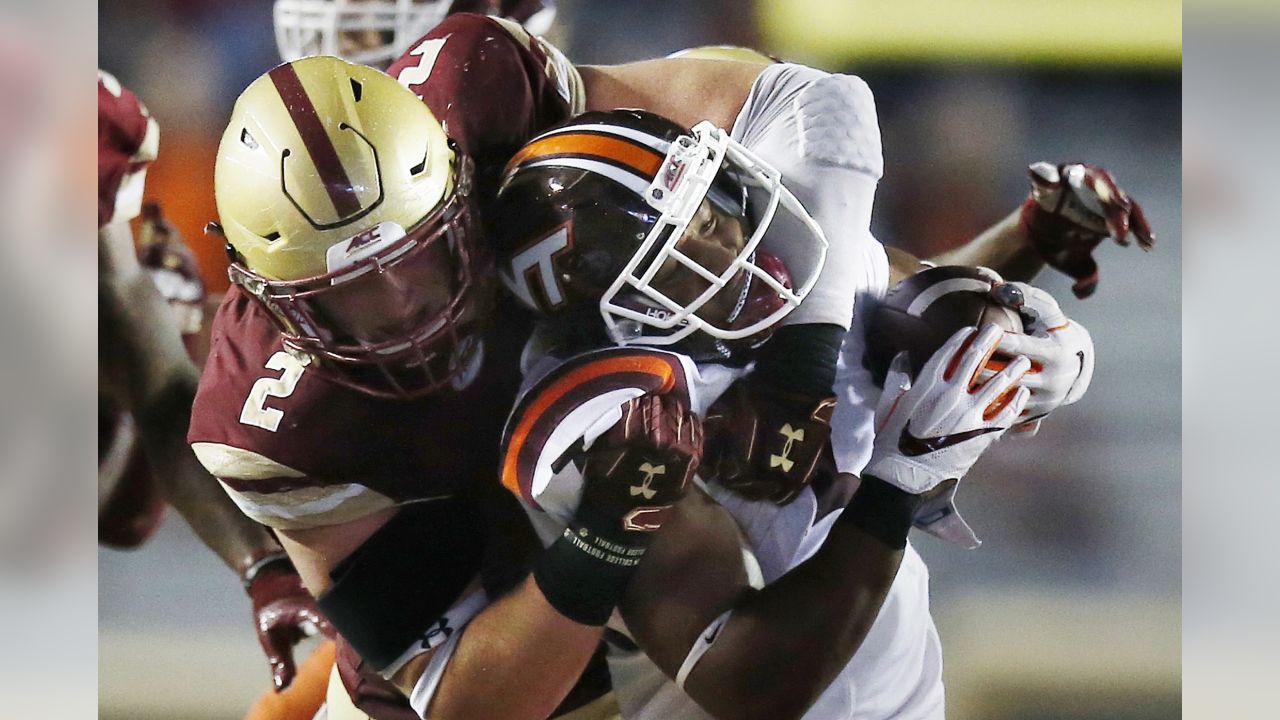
(930, 432)
(1061, 354)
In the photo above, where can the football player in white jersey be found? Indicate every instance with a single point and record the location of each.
(820, 131)
(1071, 209)
(633, 230)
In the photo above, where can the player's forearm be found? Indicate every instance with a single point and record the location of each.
(518, 659)
(1004, 247)
(784, 644)
(123, 445)
(684, 90)
(187, 486)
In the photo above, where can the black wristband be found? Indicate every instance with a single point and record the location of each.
(800, 359)
(882, 511)
(583, 574)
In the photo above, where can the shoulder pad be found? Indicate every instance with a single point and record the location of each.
(838, 124)
(576, 402)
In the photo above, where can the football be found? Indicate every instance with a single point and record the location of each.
(920, 313)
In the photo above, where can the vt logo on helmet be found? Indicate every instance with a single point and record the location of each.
(655, 227)
(347, 215)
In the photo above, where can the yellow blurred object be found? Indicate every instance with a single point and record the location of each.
(1043, 32)
(725, 52)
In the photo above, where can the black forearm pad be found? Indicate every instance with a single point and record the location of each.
(583, 574)
(882, 511)
(800, 359)
(399, 583)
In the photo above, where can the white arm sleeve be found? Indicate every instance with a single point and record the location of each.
(820, 131)
(853, 422)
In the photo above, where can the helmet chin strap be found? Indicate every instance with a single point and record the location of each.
(742, 294)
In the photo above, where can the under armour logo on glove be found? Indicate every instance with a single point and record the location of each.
(644, 488)
(793, 435)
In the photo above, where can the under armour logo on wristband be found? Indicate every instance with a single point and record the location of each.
(793, 435)
(437, 634)
(644, 488)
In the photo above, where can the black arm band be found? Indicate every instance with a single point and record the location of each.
(396, 586)
(800, 359)
(882, 511)
(583, 574)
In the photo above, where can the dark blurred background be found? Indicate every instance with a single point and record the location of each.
(1071, 608)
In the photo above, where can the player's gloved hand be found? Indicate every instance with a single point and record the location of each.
(639, 467)
(1061, 355)
(632, 473)
(765, 444)
(1074, 207)
(283, 613)
(930, 431)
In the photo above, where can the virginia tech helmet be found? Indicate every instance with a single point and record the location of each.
(377, 32)
(589, 213)
(347, 214)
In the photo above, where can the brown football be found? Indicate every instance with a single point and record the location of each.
(923, 311)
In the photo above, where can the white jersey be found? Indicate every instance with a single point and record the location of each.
(897, 671)
(820, 131)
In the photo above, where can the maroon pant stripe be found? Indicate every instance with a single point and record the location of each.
(319, 146)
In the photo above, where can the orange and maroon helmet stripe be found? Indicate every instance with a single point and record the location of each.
(332, 175)
(622, 152)
(586, 377)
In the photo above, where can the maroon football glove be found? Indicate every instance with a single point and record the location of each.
(369, 692)
(283, 612)
(1074, 207)
(637, 469)
(764, 444)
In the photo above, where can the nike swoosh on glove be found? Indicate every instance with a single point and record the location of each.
(930, 431)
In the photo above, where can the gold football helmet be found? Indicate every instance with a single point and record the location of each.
(347, 214)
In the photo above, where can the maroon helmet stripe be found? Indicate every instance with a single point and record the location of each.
(319, 146)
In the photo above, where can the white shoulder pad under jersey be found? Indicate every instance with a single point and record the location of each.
(562, 411)
(820, 131)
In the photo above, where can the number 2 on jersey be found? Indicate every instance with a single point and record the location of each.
(255, 410)
(426, 51)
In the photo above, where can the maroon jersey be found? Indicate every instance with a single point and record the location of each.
(297, 450)
(128, 139)
(491, 85)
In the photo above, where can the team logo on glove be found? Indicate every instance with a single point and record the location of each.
(793, 435)
(645, 487)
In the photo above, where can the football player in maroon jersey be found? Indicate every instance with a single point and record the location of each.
(355, 390)
(145, 373)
